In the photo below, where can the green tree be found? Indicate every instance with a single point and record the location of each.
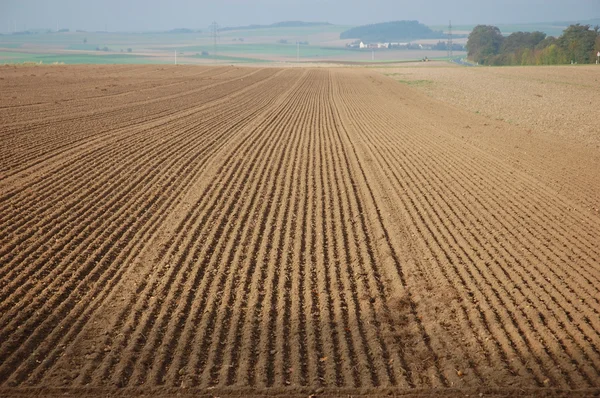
(526, 57)
(578, 42)
(551, 55)
(521, 40)
(484, 43)
(503, 59)
(547, 42)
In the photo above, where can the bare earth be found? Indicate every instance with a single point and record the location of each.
(542, 120)
(222, 231)
(562, 100)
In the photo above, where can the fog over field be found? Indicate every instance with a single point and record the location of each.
(117, 15)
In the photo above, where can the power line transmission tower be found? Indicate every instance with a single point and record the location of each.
(450, 44)
(214, 33)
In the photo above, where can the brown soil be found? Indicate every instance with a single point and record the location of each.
(220, 231)
(541, 120)
(555, 100)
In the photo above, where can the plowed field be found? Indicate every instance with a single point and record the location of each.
(235, 231)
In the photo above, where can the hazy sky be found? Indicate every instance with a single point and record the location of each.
(168, 14)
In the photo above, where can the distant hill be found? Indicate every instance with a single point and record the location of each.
(285, 24)
(392, 32)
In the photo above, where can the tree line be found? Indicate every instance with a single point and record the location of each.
(578, 44)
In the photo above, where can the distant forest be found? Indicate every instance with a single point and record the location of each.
(392, 32)
(286, 24)
(578, 44)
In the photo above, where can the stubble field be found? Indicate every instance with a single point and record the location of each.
(223, 231)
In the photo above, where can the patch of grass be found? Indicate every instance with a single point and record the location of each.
(74, 59)
(231, 59)
(82, 47)
(416, 82)
(10, 45)
(282, 50)
(11, 57)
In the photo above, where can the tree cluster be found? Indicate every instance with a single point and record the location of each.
(578, 44)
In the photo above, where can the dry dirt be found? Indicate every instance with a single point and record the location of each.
(221, 231)
(541, 120)
(558, 100)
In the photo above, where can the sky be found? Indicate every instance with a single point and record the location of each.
(142, 15)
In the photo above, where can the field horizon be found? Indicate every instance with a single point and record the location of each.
(235, 46)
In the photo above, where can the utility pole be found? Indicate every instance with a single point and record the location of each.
(214, 33)
(450, 44)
